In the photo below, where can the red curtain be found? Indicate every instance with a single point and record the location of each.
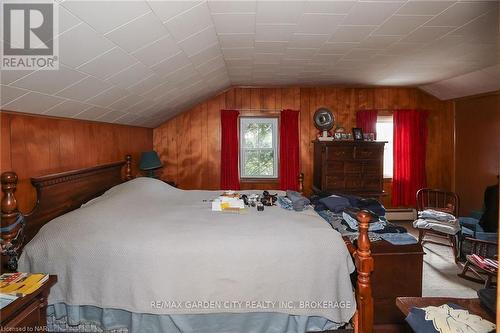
(289, 150)
(410, 140)
(367, 120)
(229, 175)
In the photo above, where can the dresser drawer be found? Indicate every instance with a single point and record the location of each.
(353, 167)
(335, 182)
(334, 167)
(353, 182)
(372, 169)
(372, 184)
(367, 152)
(339, 153)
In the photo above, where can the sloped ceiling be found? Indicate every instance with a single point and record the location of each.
(142, 62)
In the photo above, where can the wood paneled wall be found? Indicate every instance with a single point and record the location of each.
(189, 144)
(477, 148)
(34, 146)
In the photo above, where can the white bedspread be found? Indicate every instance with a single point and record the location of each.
(147, 247)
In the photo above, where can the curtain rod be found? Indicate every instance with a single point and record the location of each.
(273, 110)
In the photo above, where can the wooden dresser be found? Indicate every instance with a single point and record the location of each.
(28, 313)
(351, 167)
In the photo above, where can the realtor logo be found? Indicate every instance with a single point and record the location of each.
(28, 36)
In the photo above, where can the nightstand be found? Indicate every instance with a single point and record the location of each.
(28, 313)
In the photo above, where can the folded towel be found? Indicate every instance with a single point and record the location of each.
(437, 215)
(299, 202)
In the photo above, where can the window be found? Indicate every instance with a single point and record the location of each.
(385, 133)
(258, 147)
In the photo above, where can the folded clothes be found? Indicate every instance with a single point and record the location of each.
(285, 203)
(366, 203)
(449, 228)
(299, 202)
(335, 203)
(436, 215)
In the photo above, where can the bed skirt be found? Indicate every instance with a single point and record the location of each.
(87, 319)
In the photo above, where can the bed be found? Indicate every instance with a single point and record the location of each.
(143, 250)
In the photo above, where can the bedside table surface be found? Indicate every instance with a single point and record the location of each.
(10, 310)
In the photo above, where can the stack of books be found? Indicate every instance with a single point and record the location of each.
(483, 263)
(15, 285)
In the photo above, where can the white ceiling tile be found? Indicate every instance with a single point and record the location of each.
(426, 34)
(277, 12)
(189, 22)
(208, 53)
(8, 94)
(171, 64)
(67, 109)
(462, 12)
(351, 33)
(337, 47)
(319, 23)
(160, 90)
(66, 20)
(267, 58)
(330, 7)
(270, 47)
(33, 103)
(422, 7)
(325, 59)
(7, 77)
(241, 52)
(168, 9)
(219, 6)
(111, 116)
(211, 65)
(108, 64)
(182, 74)
(370, 13)
(85, 89)
(307, 40)
(138, 107)
(145, 85)
(274, 32)
(92, 113)
(197, 43)
(138, 33)
(126, 102)
(97, 13)
(236, 40)
(127, 119)
(300, 53)
(130, 76)
(401, 25)
(73, 52)
(234, 23)
(379, 42)
(157, 51)
(50, 82)
(107, 97)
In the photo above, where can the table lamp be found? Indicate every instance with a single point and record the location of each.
(150, 162)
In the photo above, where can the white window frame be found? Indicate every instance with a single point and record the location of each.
(387, 119)
(244, 121)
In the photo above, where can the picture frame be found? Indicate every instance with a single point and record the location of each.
(338, 136)
(357, 134)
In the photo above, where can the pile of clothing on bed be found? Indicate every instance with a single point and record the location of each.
(340, 211)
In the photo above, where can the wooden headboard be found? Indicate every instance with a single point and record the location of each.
(57, 194)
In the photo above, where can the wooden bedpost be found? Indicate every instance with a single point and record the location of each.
(300, 178)
(11, 235)
(364, 265)
(128, 167)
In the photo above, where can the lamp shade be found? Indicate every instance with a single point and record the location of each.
(150, 161)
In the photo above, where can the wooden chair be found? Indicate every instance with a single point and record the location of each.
(442, 201)
(484, 249)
